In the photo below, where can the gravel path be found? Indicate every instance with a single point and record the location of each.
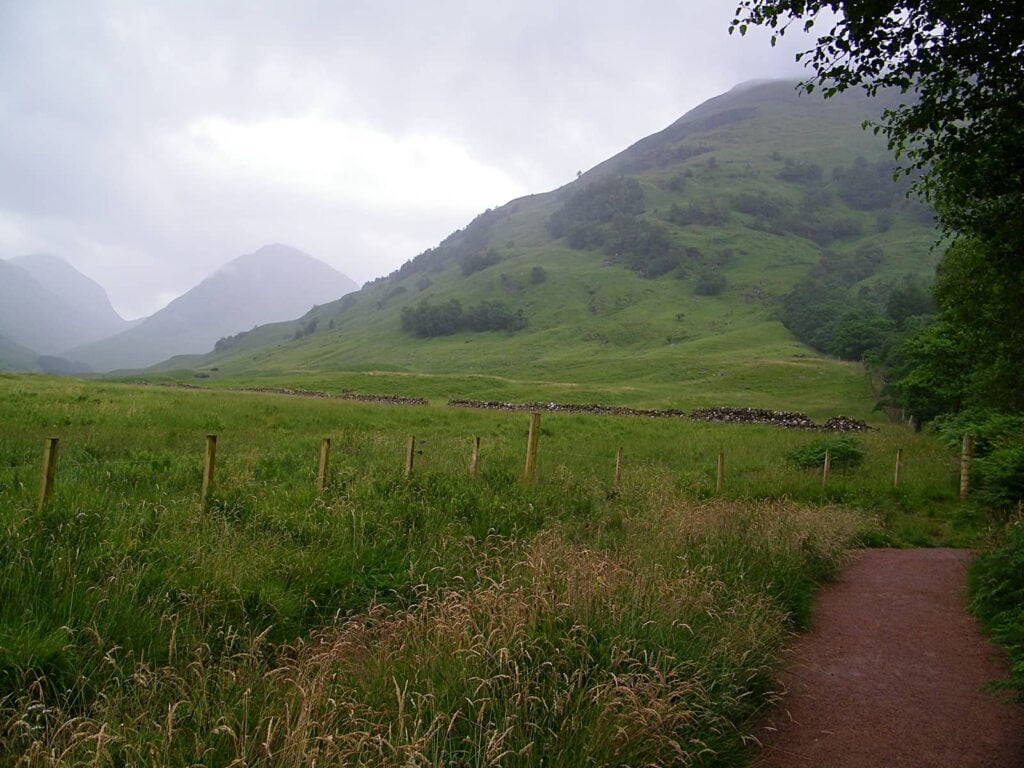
(890, 675)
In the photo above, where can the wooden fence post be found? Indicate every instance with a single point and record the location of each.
(474, 457)
(720, 475)
(827, 468)
(209, 464)
(410, 452)
(899, 468)
(325, 461)
(618, 467)
(530, 471)
(966, 450)
(49, 470)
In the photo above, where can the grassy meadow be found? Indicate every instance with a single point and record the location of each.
(433, 620)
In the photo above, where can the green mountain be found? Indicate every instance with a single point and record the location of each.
(274, 283)
(662, 275)
(49, 306)
(14, 357)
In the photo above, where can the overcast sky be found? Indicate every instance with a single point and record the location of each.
(150, 142)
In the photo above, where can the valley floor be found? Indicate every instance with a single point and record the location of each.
(352, 613)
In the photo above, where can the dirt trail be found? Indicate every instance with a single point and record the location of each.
(890, 675)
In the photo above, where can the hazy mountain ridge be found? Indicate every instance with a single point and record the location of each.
(753, 187)
(274, 283)
(87, 297)
(48, 306)
(14, 357)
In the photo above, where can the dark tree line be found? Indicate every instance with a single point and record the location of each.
(869, 324)
(425, 319)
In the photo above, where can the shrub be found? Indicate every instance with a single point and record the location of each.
(225, 343)
(494, 316)
(998, 469)
(990, 429)
(760, 204)
(597, 203)
(644, 247)
(306, 328)
(868, 187)
(801, 172)
(426, 320)
(476, 262)
(999, 478)
(706, 212)
(844, 450)
(997, 597)
(538, 275)
(710, 282)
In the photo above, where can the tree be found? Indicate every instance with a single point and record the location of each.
(953, 75)
(960, 68)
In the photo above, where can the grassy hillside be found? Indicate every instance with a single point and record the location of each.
(14, 357)
(749, 194)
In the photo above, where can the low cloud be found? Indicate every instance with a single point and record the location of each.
(149, 144)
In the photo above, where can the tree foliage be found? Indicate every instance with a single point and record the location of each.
(961, 70)
(595, 204)
(425, 319)
(954, 75)
(710, 282)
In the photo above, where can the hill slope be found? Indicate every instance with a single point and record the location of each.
(14, 357)
(658, 276)
(274, 283)
(48, 305)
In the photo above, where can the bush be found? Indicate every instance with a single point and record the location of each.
(845, 451)
(801, 172)
(595, 204)
(710, 282)
(997, 597)
(859, 333)
(760, 204)
(998, 468)
(538, 275)
(305, 329)
(479, 261)
(990, 429)
(849, 268)
(999, 478)
(868, 187)
(426, 320)
(644, 247)
(706, 212)
(494, 316)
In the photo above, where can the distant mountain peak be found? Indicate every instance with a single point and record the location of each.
(758, 82)
(77, 308)
(276, 282)
(40, 258)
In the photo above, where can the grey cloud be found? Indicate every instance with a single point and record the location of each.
(92, 93)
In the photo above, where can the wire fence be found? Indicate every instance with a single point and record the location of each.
(302, 463)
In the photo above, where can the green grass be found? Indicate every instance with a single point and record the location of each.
(436, 619)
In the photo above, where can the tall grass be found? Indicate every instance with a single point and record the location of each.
(652, 648)
(439, 619)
